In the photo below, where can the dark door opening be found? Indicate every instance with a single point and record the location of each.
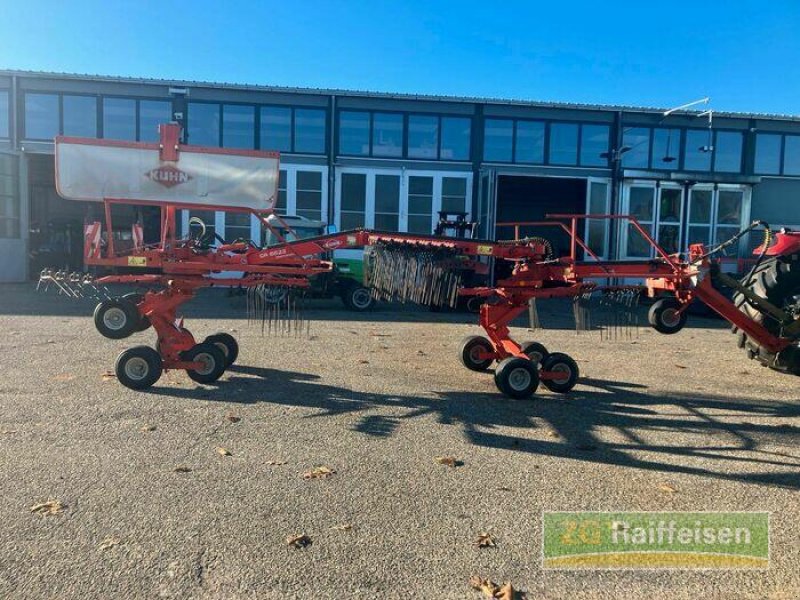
(523, 198)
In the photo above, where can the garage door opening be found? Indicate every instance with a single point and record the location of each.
(522, 198)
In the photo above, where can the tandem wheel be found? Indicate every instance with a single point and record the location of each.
(470, 351)
(212, 359)
(117, 318)
(566, 370)
(227, 344)
(517, 377)
(138, 368)
(666, 316)
(535, 351)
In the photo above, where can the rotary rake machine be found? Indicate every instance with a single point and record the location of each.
(400, 267)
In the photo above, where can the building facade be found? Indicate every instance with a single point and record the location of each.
(391, 162)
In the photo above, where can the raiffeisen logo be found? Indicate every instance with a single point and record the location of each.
(168, 176)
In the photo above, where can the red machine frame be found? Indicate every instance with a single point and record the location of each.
(183, 266)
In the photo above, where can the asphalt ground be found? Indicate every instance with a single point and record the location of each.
(682, 422)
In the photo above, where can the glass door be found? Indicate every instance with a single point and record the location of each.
(597, 203)
(699, 227)
(487, 203)
(639, 201)
(670, 209)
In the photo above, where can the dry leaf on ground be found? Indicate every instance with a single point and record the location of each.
(5, 431)
(450, 461)
(491, 590)
(108, 543)
(182, 469)
(345, 527)
(109, 375)
(223, 451)
(485, 540)
(51, 507)
(276, 463)
(233, 418)
(299, 541)
(665, 487)
(146, 428)
(318, 473)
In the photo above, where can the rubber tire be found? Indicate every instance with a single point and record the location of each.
(152, 360)
(129, 326)
(228, 344)
(655, 316)
(777, 279)
(535, 351)
(213, 353)
(506, 369)
(560, 361)
(135, 298)
(358, 298)
(468, 345)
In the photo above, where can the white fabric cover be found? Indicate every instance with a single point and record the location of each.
(92, 172)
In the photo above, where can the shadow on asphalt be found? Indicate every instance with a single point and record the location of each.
(595, 405)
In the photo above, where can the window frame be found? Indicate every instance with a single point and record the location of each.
(7, 92)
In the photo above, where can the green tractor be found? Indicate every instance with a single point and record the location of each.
(346, 279)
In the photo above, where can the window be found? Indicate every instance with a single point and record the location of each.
(80, 115)
(791, 155)
(238, 126)
(455, 138)
(563, 144)
(308, 195)
(153, 113)
(387, 134)
(354, 200)
(354, 133)
(715, 215)
(387, 202)
(41, 116)
(454, 194)
(281, 206)
(697, 150)
(530, 142)
(4, 114)
(498, 138)
(119, 119)
(597, 229)
(276, 128)
(728, 214)
(9, 197)
(237, 226)
(768, 154)
(203, 124)
(728, 152)
(420, 204)
(309, 130)
(666, 148)
(594, 142)
(423, 136)
(637, 140)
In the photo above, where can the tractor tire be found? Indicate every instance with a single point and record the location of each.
(358, 298)
(777, 279)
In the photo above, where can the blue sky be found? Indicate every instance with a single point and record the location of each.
(743, 54)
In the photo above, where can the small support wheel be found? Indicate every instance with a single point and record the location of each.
(212, 360)
(227, 344)
(566, 369)
(666, 316)
(471, 351)
(358, 298)
(138, 368)
(516, 377)
(136, 298)
(116, 318)
(535, 351)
